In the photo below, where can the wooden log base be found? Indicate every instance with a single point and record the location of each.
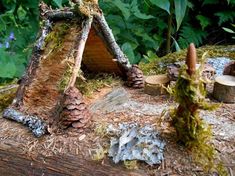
(224, 89)
(13, 163)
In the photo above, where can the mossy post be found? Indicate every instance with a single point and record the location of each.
(191, 130)
(186, 121)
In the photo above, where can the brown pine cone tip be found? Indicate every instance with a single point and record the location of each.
(191, 59)
(135, 77)
(74, 111)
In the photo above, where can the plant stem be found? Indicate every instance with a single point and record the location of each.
(168, 37)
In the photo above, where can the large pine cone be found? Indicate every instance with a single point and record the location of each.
(74, 112)
(135, 77)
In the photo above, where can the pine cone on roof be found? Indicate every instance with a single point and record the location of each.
(135, 77)
(74, 112)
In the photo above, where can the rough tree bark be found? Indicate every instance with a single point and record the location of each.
(15, 164)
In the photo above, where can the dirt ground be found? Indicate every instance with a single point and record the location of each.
(177, 160)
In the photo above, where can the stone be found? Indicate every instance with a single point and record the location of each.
(114, 98)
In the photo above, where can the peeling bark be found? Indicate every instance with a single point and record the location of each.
(34, 123)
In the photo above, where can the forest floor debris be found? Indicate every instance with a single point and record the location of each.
(218, 64)
(141, 109)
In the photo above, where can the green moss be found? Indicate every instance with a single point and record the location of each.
(99, 153)
(101, 130)
(132, 164)
(6, 98)
(65, 78)
(191, 130)
(155, 66)
(55, 37)
(95, 82)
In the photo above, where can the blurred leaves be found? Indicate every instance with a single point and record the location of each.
(58, 3)
(163, 4)
(228, 30)
(180, 9)
(225, 16)
(204, 21)
(189, 34)
(20, 20)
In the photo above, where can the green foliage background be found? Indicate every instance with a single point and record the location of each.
(140, 27)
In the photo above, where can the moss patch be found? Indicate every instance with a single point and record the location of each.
(56, 36)
(6, 97)
(96, 82)
(65, 78)
(157, 66)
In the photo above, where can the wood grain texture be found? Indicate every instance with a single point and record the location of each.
(97, 58)
(12, 163)
(224, 89)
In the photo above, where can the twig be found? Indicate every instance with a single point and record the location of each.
(230, 171)
(8, 88)
(81, 46)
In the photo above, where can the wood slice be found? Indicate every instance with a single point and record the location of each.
(224, 88)
(154, 84)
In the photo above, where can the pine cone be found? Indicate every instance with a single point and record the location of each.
(229, 69)
(74, 112)
(135, 77)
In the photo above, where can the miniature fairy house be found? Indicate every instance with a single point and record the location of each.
(68, 38)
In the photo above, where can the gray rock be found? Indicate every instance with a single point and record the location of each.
(130, 142)
(218, 64)
(116, 97)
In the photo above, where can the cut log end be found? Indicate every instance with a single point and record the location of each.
(154, 85)
(224, 89)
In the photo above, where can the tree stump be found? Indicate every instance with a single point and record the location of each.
(224, 89)
(154, 85)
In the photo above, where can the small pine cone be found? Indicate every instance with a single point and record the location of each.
(229, 69)
(135, 77)
(74, 111)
